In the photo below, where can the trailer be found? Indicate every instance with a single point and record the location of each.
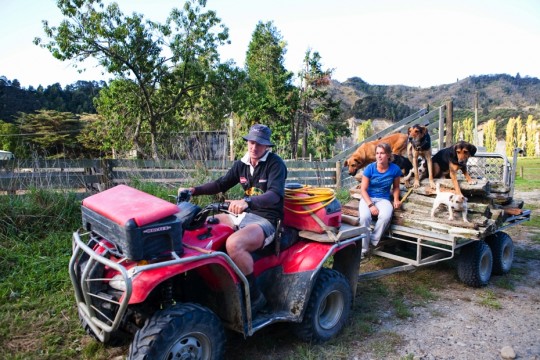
(480, 246)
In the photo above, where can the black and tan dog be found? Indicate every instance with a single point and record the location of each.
(451, 159)
(419, 144)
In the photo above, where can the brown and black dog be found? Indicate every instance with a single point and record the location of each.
(420, 145)
(365, 153)
(451, 159)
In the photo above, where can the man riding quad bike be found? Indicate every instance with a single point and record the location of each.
(158, 273)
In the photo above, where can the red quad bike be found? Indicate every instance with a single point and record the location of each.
(157, 273)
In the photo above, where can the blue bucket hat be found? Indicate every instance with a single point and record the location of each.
(260, 134)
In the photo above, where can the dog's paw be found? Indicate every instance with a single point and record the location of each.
(473, 182)
(416, 184)
(432, 184)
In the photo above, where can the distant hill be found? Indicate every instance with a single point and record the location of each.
(499, 96)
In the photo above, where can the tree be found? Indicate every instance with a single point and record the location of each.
(317, 115)
(170, 63)
(7, 136)
(510, 137)
(520, 133)
(458, 130)
(50, 133)
(490, 135)
(268, 95)
(364, 130)
(531, 128)
(468, 126)
(93, 137)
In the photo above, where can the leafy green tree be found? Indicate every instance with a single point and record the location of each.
(95, 137)
(50, 133)
(458, 130)
(169, 63)
(510, 137)
(268, 95)
(8, 139)
(468, 127)
(520, 133)
(490, 135)
(531, 129)
(118, 105)
(317, 115)
(364, 130)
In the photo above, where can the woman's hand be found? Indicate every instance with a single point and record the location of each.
(374, 211)
(397, 204)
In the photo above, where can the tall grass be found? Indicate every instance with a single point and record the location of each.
(36, 304)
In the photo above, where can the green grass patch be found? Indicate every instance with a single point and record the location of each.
(526, 185)
(527, 174)
(529, 254)
(386, 345)
(504, 282)
(489, 299)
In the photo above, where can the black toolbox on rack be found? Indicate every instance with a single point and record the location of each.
(141, 226)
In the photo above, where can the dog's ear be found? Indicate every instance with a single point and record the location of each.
(346, 162)
(453, 150)
(472, 149)
(409, 130)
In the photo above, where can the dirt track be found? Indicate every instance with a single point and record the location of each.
(467, 323)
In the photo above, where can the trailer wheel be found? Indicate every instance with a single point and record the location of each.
(475, 264)
(328, 308)
(183, 331)
(502, 247)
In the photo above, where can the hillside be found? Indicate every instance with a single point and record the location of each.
(499, 96)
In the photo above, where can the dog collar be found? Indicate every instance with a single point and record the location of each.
(424, 144)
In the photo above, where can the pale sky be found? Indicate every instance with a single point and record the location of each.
(384, 42)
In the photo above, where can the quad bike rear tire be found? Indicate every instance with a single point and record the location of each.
(183, 331)
(475, 263)
(328, 308)
(502, 247)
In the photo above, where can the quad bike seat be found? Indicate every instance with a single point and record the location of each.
(284, 238)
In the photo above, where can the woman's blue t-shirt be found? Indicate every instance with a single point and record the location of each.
(380, 183)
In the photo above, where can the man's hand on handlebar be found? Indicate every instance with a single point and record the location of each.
(184, 194)
(191, 190)
(237, 206)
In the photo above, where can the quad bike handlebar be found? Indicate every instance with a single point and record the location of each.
(200, 215)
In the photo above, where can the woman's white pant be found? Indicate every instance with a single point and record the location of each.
(386, 209)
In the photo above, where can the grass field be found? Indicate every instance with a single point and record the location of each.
(38, 318)
(528, 174)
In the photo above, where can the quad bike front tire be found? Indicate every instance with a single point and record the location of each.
(502, 247)
(328, 308)
(475, 264)
(183, 331)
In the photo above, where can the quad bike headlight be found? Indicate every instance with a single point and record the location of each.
(118, 283)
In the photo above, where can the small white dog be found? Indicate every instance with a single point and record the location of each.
(452, 202)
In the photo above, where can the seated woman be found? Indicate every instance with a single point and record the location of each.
(377, 179)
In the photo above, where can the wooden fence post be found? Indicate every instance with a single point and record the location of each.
(449, 123)
(338, 175)
(106, 173)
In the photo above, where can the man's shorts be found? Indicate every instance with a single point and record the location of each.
(245, 219)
